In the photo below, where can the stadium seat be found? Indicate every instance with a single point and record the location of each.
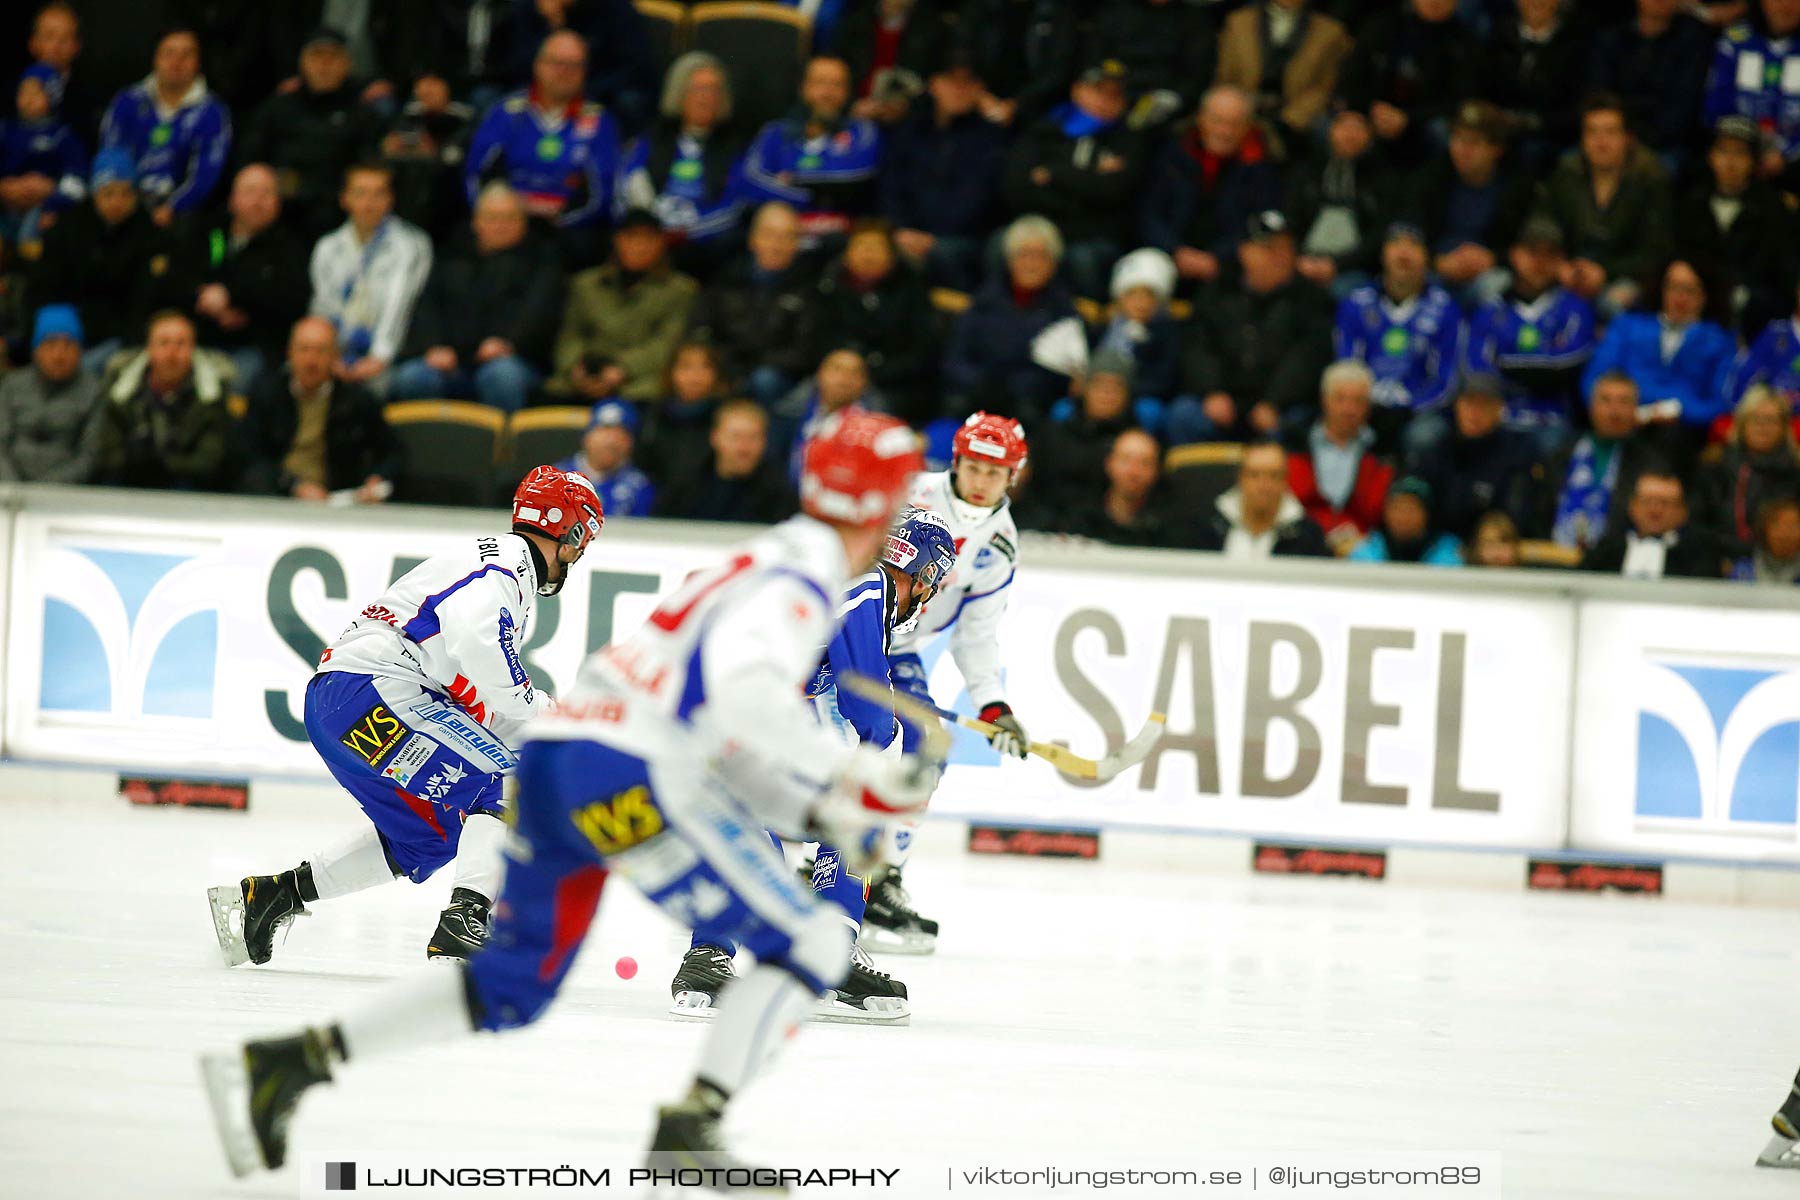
(764, 48)
(1533, 553)
(537, 436)
(1197, 475)
(666, 23)
(452, 447)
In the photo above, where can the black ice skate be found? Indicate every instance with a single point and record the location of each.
(889, 925)
(1783, 1149)
(264, 905)
(254, 1093)
(866, 997)
(704, 972)
(462, 929)
(687, 1140)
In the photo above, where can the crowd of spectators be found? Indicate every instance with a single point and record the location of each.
(1456, 275)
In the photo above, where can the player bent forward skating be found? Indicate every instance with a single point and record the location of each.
(986, 456)
(414, 709)
(1783, 1149)
(675, 749)
(914, 562)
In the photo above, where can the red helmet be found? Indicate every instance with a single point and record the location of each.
(856, 467)
(559, 504)
(999, 440)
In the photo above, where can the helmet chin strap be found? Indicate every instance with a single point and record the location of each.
(545, 586)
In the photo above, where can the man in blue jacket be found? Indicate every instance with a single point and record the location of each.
(177, 132)
(821, 160)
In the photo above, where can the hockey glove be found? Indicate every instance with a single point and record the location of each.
(1010, 737)
(873, 790)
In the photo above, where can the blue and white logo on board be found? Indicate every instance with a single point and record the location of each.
(1718, 746)
(128, 633)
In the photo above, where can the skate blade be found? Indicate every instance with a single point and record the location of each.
(877, 940)
(225, 901)
(693, 1006)
(228, 1092)
(1780, 1152)
(888, 1010)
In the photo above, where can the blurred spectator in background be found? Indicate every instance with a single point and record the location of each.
(164, 421)
(56, 43)
(1407, 533)
(1537, 337)
(1495, 544)
(488, 316)
(1741, 226)
(559, 150)
(1470, 208)
(1025, 53)
(871, 302)
(1127, 511)
(688, 165)
(1337, 477)
(1581, 489)
(1773, 359)
(312, 134)
(1678, 359)
(1413, 65)
(841, 381)
(622, 320)
(367, 275)
(309, 435)
(1211, 178)
(761, 313)
(1611, 199)
(1534, 59)
(1285, 54)
(1082, 166)
(1405, 327)
(621, 71)
(1258, 518)
(1655, 541)
(1140, 328)
(1253, 354)
(1758, 464)
(821, 160)
(103, 258)
(890, 47)
(1480, 465)
(1775, 557)
(988, 364)
(43, 165)
(424, 148)
(1753, 75)
(736, 482)
(1068, 456)
(677, 425)
(605, 459)
(1341, 201)
(49, 432)
(245, 277)
(1656, 63)
(178, 133)
(1168, 49)
(941, 176)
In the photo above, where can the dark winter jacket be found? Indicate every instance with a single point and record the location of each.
(890, 325)
(1757, 251)
(1068, 461)
(987, 364)
(1086, 202)
(1637, 452)
(943, 179)
(1473, 476)
(752, 324)
(1155, 361)
(1164, 46)
(1660, 80)
(1024, 50)
(266, 276)
(309, 138)
(180, 442)
(1425, 69)
(1695, 555)
(1729, 493)
(1430, 192)
(1259, 346)
(763, 498)
(1632, 234)
(1368, 188)
(1194, 200)
(1089, 518)
(49, 432)
(1296, 534)
(112, 274)
(515, 294)
(358, 440)
(1536, 82)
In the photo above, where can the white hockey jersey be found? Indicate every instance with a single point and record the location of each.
(972, 602)
(454, 624)
(717, 673)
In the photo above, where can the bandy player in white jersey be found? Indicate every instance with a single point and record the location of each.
(676, 747)
(415, 710)
(986, 456)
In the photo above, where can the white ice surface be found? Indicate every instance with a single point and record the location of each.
(1605, 1047)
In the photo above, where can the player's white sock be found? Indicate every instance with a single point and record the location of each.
(358, 863)
(900, 837)
(425, 1008)
(479, 861)
(756, 1017)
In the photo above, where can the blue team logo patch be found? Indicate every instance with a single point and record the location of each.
(128, 634)
(1718, 748)
(509, 647)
